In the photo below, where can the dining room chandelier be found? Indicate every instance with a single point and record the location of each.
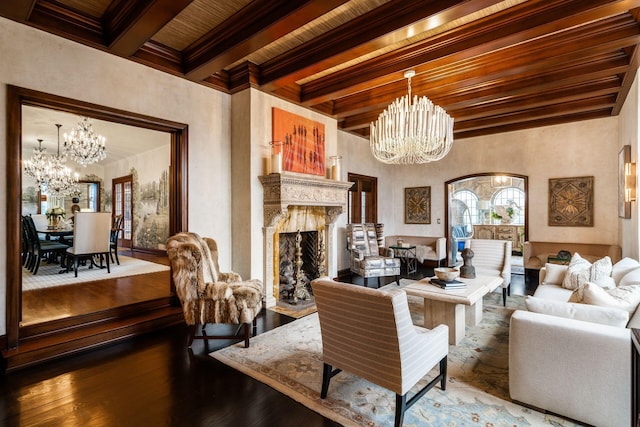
(84, 145)
(411, 131)
(59, 179)
(36, 166)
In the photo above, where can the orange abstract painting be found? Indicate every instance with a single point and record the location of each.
(301, 142)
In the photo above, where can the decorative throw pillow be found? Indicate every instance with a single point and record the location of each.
(554, 274)
(600, 269)
(630, 278)
(626, 298)
(605, 282)
(589, 313)
(622, 267)
(578, 272)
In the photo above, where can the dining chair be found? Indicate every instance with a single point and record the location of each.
(39, 250)
(91, 237)
(116, 228)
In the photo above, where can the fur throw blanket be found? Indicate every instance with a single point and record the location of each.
(206, 295)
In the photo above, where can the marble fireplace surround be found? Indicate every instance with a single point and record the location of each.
(297, 202)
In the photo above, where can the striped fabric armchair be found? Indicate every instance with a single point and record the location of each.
(493, 258)
(366, 260)
(369, 333)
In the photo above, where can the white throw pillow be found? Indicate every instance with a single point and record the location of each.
(588, 313)
(600, 269)
(626, 297)
(631, 277)
(605, 282)
(577, 273)
(622, 267)
(554, 274)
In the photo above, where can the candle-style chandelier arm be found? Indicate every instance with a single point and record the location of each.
(84, 145)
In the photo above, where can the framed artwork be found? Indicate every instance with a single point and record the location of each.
(300, 142)
(417, 205)
(571, 202)
(624, 207)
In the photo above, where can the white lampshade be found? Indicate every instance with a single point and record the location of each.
(484, 205)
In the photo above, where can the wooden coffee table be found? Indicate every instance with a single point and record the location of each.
(453, 307)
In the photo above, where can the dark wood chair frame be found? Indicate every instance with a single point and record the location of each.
(402, 404)
(249, 330)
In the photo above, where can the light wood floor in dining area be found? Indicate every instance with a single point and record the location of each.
(47, 304)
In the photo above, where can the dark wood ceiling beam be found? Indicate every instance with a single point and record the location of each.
(506, 29)
(160, 57)
(581, 106)
(17, 10)
(374, 30)
(549, 121)
(55, 18)
(628, 79)
(253, 27)
(456, 95)
(129, 24)
(508, 105)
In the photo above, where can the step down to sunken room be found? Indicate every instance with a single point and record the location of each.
(38, 345)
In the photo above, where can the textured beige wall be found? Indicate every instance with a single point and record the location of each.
(588, 148)
(628, 128)
(40, 61)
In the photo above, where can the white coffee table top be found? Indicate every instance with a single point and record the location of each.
(475, 290)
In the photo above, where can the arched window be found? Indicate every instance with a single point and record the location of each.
(511, 197)
(471, 200)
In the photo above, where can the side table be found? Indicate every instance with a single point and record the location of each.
(561, 261)
(407, 255)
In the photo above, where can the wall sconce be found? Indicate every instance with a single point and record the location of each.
(629, 182)
(500, 181)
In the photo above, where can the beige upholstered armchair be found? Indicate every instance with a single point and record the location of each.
(206, 294)
(366, 260)
(493, 258)
(369, 333)
(91, 234)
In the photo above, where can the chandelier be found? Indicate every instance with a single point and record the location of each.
(58, 179)
(84, 145)
(36, 165)
(411, 131)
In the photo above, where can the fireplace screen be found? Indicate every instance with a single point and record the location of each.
(301, 259)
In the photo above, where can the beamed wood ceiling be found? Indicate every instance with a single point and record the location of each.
(495, 66)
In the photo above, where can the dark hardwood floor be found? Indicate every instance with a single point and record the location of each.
(153, 380)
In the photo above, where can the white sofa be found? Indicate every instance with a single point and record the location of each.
(432, 249)
(574, 359)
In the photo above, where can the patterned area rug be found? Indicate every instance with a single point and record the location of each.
(289, 359)
(48, 274)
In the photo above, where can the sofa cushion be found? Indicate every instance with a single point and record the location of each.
(622, 267)
(554, 274)
(552, 292)
(577, 273)
(623, 297)
(590, 313)
(630, 278)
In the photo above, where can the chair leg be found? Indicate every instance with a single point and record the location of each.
(398, 280)
(401, 406)
(366, 282)
(504, 297)
(326, 379)
(247, 328)
(443, 372)
(192, 334)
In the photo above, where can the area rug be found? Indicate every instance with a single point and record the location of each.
(48, 276)
(288, 359)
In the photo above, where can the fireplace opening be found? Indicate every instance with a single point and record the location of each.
(300, 261)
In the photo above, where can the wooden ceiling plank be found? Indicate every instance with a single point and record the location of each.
(253, 27)
(457, 95)
(550, 121)
(628, 79)
(505, 106)
(510, 28)
(365, 34)
(129, 24)
(596, 103)
(17, 10)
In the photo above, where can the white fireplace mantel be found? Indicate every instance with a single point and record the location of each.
(282, 191)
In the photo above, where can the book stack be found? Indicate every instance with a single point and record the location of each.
(449, 285)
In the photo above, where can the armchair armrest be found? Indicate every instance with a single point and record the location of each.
(566, 366)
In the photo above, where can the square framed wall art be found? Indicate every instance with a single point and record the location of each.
(300, 142)
(571, 202)
(417, 205)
